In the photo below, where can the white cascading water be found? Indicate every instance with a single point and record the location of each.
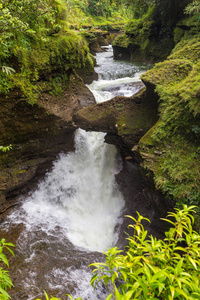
(80, 195)
(78, 200)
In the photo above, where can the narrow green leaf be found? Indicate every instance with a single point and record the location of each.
(193, 262)
(118, 295)
(129, 295)
(109, 297)
(3, 258)
(47, 297)
(172, 290)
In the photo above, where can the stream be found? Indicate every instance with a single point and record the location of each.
(77, 210)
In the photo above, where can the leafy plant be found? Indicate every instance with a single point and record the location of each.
(7, 70)
(47, 297)
(5, 281)
(152, 268)
(55, 298)
(5, 149)
(193, 8)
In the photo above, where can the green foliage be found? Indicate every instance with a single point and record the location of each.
(35, 44)
(193, 8)
(5, 281)
(47, 297)
(152, 268)
(5, 149)
(55, 298)
(187, 49)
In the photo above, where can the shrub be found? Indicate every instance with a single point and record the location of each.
(152, 268)
(5, 281)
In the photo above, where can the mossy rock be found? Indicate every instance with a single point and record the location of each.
(147, 140)
(122, 41)
(187, 51)
(127, 117)
(168, 72)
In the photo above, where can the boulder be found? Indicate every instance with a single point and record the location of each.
(124, 119)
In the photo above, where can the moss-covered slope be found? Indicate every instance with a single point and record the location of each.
(171, 149)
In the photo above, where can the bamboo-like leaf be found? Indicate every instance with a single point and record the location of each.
(4, 259)
(118, 295)
(10, 250)
(172, 291)
(179, 266)
(181, 292)
(4, 293)
(47, 297)
(114, 276)
(167, 220)
(128, 295)
(124, 274)
(193, 262)
(109, 297)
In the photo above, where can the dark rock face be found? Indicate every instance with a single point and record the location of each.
(37, 134)
(121, 53)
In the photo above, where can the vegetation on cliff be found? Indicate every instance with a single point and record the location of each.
(174, 140)
(169, 30)
(149, 33)
(37, 45)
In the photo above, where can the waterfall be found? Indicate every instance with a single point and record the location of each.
(80, 195)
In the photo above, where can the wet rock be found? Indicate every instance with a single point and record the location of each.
(121, 53)
(95, 47)
(102, 41)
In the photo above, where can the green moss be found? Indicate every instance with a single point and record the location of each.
(147, 139)
(168, 72)
(121, 41)
(141, 37)
(187, 51)
(45, 60)
(182, 168)
(177, 134)
(178, 34)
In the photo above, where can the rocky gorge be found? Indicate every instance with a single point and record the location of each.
(39, 132)
(75, 161)
(125, 120)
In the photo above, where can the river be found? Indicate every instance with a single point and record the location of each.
(77, 210)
